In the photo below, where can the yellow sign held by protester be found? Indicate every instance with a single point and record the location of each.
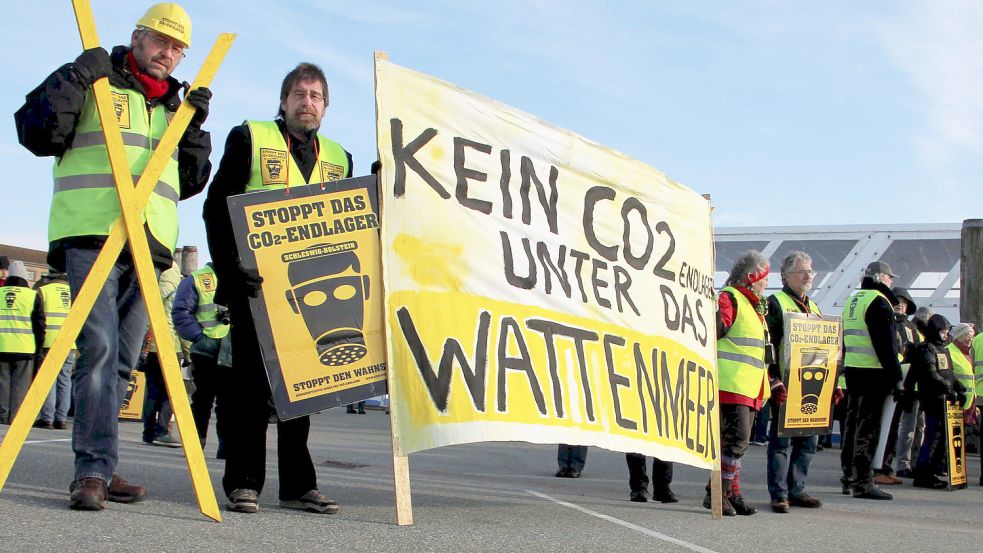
(539, 287)
(319, 313)
(136, 393)
(955, 445)
(810, 364)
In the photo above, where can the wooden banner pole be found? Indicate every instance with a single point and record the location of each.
(716, 488)
(401, 463)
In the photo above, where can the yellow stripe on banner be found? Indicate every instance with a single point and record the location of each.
(132, 203)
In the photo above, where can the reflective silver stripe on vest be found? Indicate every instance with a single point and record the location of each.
(741, 358)
(861, 350)
(95, 138)
(753, 342)
(978, 364)
(79, 182)
(52, 327)
(20, 318)
(208, 324)
(16, 331)
(206, 307)
(856, 332)
(51, 315)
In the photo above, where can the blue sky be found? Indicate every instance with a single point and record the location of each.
(788, 113)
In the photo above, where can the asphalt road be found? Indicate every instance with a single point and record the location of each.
(482, 497)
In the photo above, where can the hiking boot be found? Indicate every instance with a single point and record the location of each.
(871, 491)
(805, 500)
(846, 485)
(350, 410)
(88, 494)
(665, 496)
(563, 473)
(166, 440)
(121, 491)
(741, 506)
(312, 502)
(905, 473)
(887, 480)
(727, 508)
(47, 425)
(779, 505)
(574, 473)
(60, 425)
(638, 496)
(243, 501)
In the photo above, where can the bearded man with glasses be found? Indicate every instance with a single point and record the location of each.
(267, 155)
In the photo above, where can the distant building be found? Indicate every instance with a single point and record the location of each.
(35, 261)
(925, 257)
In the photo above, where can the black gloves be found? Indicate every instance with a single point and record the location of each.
(251, 281)
(898, 393)
(93, 64)
(199, 98)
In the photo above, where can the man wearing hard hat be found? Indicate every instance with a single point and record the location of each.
(59, 119)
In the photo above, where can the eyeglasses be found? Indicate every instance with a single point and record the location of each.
(165, 44)
(315, 96)
(803, 273)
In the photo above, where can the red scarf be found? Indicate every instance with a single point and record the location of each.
(155, 88)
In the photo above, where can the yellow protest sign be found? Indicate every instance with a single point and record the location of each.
(136, 393)
(955, 445)
(539, 287)
(810, 363)
(319, 313)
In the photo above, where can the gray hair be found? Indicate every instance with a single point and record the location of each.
(791, 259)
(749, 262)
(923, 314)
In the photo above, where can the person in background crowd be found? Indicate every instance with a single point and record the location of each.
(22, 332)
(873, 374)
(638, 481)
(911, 425)
(57, 299)
(311, 158)
(908, 338)
(931, 366)
(357, 407)
(157, 409)
(59, 120)
(571, 460)
(789, 458)
(203, 322)
(743, 379)
(960, 350)
(4, 264)
(978, 370)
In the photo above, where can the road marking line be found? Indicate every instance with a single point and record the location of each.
(46, 441)
(626, 524)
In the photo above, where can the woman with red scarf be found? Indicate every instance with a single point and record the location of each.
(742, 340)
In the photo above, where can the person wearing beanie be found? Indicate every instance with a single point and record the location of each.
(931, 367)
(21, 337)
(57, 299)
(873, 374)
(911, 422)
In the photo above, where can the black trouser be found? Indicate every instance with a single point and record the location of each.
(16, 372)
(210, 389)
(154, 400)
(249, 411)
(863, 428)
(571, 456)
(639, 481)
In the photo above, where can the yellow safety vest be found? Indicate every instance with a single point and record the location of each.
(963, 369)
(85, 201)
(272, 166)
(978, 363)
(57, 298)
(16, 331)
(791, 305)
(207, 314)
(856, 338)
(741, 353)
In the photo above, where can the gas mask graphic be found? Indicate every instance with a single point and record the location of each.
(9, 298)
(329, 292)
(957, 447)
(813, 374)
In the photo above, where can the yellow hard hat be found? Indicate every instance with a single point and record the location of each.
(169, 19)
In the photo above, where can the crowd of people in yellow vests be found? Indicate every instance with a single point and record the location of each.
(921, 362)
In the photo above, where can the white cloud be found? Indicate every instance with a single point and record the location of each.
(937, 43)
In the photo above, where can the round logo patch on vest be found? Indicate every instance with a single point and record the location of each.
(273, 166)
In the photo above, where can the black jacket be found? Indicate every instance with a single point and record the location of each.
(46, 126)
(230, 180)
(38, 321)
(883, 330)
(936, 381)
